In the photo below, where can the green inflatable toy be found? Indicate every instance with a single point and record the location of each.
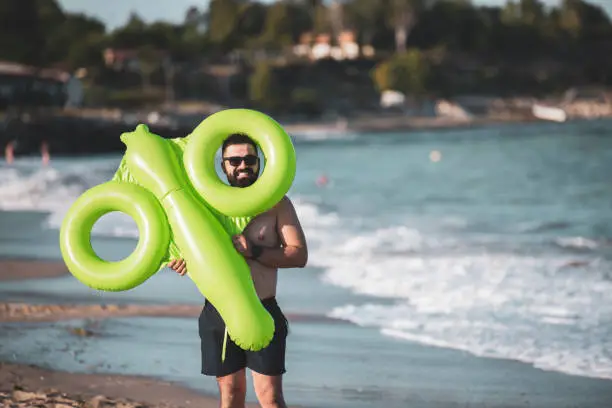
(183, 210)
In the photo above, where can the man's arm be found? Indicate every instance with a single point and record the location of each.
(293, 252)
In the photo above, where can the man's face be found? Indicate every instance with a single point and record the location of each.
(240, 165)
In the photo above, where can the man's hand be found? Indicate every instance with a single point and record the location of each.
(178, 265)
(242, 245)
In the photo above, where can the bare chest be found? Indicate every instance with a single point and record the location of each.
(262, 231)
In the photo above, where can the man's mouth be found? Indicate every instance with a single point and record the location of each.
(243, 174)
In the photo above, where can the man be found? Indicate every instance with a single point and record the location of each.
(271, 240)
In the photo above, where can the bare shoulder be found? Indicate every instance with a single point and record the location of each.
(284, 205)
(288, 224)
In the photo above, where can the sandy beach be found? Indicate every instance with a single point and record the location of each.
(25, 386)
(18, 269)
(12, 270)
(491, 382)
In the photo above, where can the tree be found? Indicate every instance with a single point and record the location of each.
(131, 35)
(382, 79)
(579, 18)
(22, 38)
(321, 23)
(223, 19)
(523, 12)
(263, 89)
(196, 19)
(278, 28)
(87, 52)
(454, 24)
(366, 17)
(407, 72)
(403, 16)
(192, 40)
(252, 20)
(76, 40)
(148, 63)
(51, 22)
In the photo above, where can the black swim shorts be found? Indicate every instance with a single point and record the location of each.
(268, 361)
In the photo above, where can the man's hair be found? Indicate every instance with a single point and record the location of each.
(238, 138)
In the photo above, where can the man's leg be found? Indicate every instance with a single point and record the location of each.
(268, 364)
(269, 390)
(230, 374)
(232, 390)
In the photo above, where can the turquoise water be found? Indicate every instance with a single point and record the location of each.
(501, 248)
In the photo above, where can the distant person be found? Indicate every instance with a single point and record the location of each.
(9, 152)
(271, 240)
(74, 91)
(44, 153)
(322, 180)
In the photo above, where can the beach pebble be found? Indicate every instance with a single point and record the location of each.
(21, 396)
(63, 401)
(52, 398)
(96, 402)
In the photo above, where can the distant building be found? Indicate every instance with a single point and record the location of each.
(21, 83)
(392, 98)
(321, 46)
(126, 59)
(347, 45)
(121, 60)
(451, 110)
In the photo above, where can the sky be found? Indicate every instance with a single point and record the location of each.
(115, 13)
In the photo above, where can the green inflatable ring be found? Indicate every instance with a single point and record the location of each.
(153, 187)
(269, 188)
(141, 264)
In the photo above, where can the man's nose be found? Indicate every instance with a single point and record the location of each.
(242, 165)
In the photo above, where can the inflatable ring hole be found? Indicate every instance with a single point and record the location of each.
(114, 236)
(219, 165)
(76, 232)
(274, 181)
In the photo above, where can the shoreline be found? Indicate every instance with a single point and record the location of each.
(25, 385)
(29, 384)
(398, 123)
(14, 269)
(406, 123)
(110, 128)
(24, 312)
(16, 312)
(480, 382)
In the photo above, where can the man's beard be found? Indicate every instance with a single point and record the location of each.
(248, 177)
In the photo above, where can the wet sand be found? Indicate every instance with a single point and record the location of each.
(16, 269)
(28, 386)
(25, 386)
(13, 312)
(27, 312)
(417, 375)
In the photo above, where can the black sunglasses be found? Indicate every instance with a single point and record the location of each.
(249, 160)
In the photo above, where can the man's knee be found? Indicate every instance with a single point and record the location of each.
(269, 391)
(271, 399)
(232, 389)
